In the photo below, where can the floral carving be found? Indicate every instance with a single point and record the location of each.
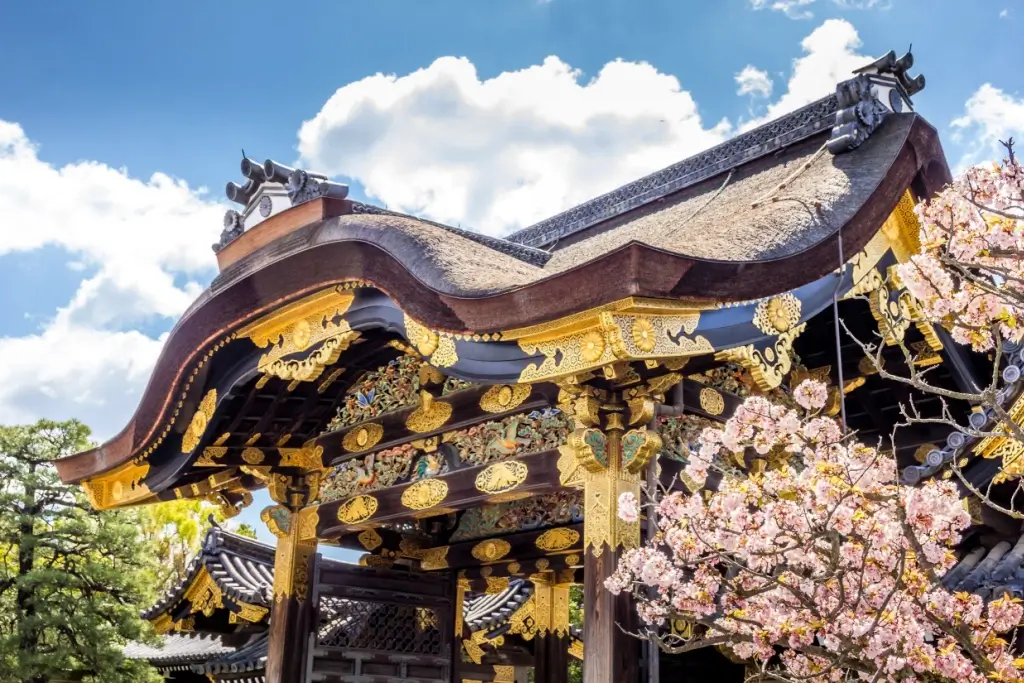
(514, 435)
(370, 473)
(380, 391)
(563, 507)
(643, 334)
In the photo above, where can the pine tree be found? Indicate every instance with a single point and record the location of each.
(72, 580)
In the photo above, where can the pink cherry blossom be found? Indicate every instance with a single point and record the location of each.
(823, 558)
(628, 508)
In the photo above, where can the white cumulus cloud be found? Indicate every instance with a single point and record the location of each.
(753, 81)
(990, 115)
(830, 57)
(801, 9)
(502, 153)
(148, 246)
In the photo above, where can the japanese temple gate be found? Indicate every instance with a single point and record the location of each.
(466, 410)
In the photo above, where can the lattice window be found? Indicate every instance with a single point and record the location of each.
(367, 625)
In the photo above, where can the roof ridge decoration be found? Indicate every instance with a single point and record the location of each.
(853, 112)
(271, 188)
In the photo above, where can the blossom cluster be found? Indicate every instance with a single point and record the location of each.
(821, 565)
(969, 274)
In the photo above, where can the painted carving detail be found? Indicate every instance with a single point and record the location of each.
(563, 507)
(514, 435)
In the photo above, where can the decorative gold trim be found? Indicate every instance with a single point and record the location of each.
(308, 458)
(711, 402)
(430, 414)
(496, 585)
(419, 336)
(445, 356)
(204, 595)
(200, 420)
(491, 550)
(555, 540)
(252, 456)
(357, 510)
(501, 477)
(504, 397)
(363, 437)
(778, 314)
(576, 649)
(425, 494)
(433, 559)
(767, 367)
(570, 473)
(122, 486)
(210, 455)
(509, 497)
(370, 539)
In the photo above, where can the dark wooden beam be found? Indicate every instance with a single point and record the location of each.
(386, 505)
(523, 547)
(523, 568)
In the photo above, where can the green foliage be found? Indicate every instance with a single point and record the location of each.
(72, 580)
(173, 532)
(575, 619)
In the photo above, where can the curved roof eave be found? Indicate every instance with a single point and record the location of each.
(273, 276)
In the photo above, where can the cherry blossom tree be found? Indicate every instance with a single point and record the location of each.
(819, 567)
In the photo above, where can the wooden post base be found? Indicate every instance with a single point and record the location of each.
(610, 655)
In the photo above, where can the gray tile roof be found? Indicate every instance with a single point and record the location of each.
(483, 611)
(990, 572)
(179, 650)
(242, 567)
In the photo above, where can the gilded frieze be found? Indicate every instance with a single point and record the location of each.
(504, 397)
(485, 443)
(385, 389)
(363, 438)
(562, 507)
(308, 457)
(369, 473)
(607, 337)
(501, 477)
(310, 368)
(425, 494)
(200, 420)
(555, 540)
(357, 510)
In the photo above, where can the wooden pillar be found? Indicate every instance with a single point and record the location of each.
(291, 619)
(613, 459)
(551, 659)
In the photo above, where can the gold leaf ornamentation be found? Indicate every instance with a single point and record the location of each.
(307, 458)
(496, 585)
(504, 397)
(778, 314)
(572, 560)
(357, 510)
(491, 550)
(252, 456)
(514, 568)
(429, 416)
(421, 337)
(362, 437)
(445, 356)
(554, 540)
(509, 497)
(425, 494)
(592, 347)
(767, 367)
(576, 649)
(502, 477)
(210, 455)
(433, 559)
(643, 334)
(570, 474)
(711, 402)
(123, 486)
(370, 539)
(200, 419)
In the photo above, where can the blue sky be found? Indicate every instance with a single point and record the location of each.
(116, 117)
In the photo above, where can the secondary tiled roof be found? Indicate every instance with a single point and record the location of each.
(990, 572)
(242, 567)
(250, 658)
(483, 611)
(179, 650)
